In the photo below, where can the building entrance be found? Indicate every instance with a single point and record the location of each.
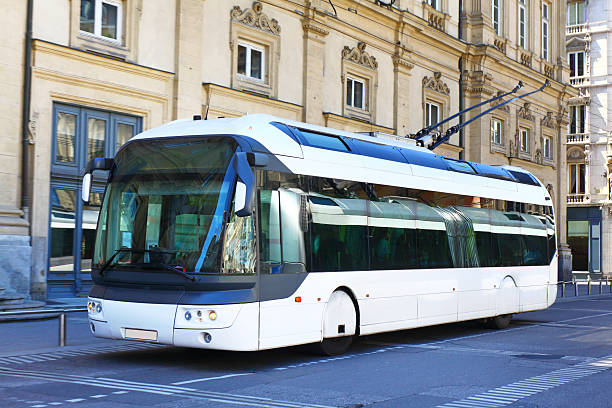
(79, 134)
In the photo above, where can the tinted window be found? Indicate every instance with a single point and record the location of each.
(433, 249)
(535, 250)
(323, 141)
(338, 233)
(510, 249)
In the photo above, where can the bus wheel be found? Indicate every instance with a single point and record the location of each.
(499, 322)
(334, 346)
(339, 324)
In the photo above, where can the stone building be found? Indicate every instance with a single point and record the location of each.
(589, 141)
(103, 70)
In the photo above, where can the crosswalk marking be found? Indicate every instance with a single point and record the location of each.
(123, 386)
(58, 355)
(508, 394)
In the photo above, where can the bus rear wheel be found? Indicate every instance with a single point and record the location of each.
(499, 322)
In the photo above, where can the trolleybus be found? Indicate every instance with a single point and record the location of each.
(258, 232)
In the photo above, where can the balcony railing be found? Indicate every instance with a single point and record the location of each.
(577, 138)
(578, 199)
(575, 29)
(579, 81)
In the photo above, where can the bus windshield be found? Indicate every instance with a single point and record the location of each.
(165, 205)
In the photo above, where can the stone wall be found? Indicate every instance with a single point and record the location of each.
(15, 264)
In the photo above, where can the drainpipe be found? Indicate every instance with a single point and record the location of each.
(27, 88)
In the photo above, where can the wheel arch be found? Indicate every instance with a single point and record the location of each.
(350, 293)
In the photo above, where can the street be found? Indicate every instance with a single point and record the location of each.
(560, 357)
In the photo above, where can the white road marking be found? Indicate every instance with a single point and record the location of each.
(56, 403)
(76, 400)
(508, 394)
(99, 396)
(125, 386)
(210, 378)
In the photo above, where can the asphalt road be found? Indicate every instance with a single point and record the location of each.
(560, 357)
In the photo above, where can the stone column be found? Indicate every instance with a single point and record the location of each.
(15, 249)
(188, 59)
(402, 94)
(565, 253)
(314, 58)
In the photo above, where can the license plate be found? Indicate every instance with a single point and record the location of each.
(138, 334)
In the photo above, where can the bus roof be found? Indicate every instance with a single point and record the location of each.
(293, 139)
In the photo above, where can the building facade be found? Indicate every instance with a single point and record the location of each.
(103, 70)
(589, 140)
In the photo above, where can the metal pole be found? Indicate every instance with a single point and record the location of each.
(589, 285)
(62, 329)
(575, 287)
(563, 289)
(600, 286)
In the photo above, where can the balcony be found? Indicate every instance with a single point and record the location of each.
(579, 81)
(576, 29)
(578, 199)
(578, 138)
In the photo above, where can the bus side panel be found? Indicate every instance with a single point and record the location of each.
(476, 303)
(285, 322)
(437, 308)
(387, 310)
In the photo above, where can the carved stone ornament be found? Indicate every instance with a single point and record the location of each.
(525, 113)
(538, 156)
(549, 121)
(575, 155)
(358, 55)
(255, 18)
(504, 108)
(436, 84)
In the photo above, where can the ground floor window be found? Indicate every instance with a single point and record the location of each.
(79, 135)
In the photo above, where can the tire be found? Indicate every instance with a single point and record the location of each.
(499, 322)
(334, 346)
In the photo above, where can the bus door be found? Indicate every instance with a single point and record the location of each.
(285, 318)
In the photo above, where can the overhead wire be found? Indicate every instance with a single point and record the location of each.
(394, 9)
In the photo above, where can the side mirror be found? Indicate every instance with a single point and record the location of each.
(245, 185)
(94, 164)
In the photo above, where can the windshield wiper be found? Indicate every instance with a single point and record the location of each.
(170, 268)
(107, 264)
(175, 270)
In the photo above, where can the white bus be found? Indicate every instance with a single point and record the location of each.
(258, 232)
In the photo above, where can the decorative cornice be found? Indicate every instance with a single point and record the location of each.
(358, 55)
(401, 62)
(500, 43)
(525, 113)
(579, 100)
(549, 70)
(308, 26)
(436, 84)
(255, 18)
(549, 121)
(526, 59)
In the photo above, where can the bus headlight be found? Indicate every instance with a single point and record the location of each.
(94, 310)
(188, 315)
(212, 315)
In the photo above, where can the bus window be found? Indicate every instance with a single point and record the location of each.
(282, 246)
(239, 245)
(269, 232)
(391, 222)
(338, 232)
